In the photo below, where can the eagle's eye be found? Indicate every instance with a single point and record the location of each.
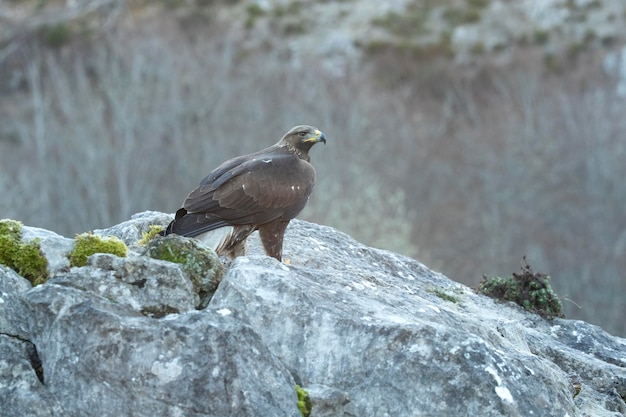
(302, 134)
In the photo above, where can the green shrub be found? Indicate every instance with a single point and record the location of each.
(457, 16)
(528, 289)
(541, 37)
(254, 11)
(57, 35)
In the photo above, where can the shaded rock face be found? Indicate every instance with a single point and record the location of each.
(100, 357)
(366, 332)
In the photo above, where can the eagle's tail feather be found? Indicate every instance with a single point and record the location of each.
(192, 224)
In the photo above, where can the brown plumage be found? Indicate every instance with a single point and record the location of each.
(261, 191)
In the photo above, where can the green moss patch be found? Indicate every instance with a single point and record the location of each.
(24, 258)
(87, 244)
(152, 232)
(529, 289)
(11, 228)
(443, 295)
(304, 402)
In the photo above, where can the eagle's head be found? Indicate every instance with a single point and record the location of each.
(301, 139)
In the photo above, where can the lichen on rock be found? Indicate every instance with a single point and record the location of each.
(201, 265)
(153, 231)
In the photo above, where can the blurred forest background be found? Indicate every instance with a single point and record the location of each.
(465, 134)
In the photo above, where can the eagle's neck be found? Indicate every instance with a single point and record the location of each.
(300, 153)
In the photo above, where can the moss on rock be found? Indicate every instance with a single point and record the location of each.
(157, 312)
(24, 258)
(152, 232)
(304, 402)
(11, 228)
(87, 244)
(443, 295)
(201, 265)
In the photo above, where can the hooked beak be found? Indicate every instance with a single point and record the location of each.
(319, 137)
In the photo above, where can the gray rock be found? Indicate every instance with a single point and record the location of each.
(11, 285)
(199, 263)
(131, 231)
(54, 247)
(362, 333)
(326, 401)
(101, 358)
(144, 284)
(366, 332)
(11, 282)
(21, 391)
(369, 324)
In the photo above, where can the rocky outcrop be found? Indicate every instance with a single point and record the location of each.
(366, 332)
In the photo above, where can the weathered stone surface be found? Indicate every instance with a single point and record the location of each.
(11, 285)
(369, 324)
(146, 285)
(11, 282)
(131, 231)
(21, 392)
(367, 332)
(369, 337)
(102, 358)
(54, 247)
(199, 363)
(199, 263)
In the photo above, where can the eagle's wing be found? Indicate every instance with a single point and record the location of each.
(251, 190)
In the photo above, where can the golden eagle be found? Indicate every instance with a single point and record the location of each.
(261, 191)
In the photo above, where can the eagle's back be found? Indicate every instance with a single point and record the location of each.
(252, 189)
